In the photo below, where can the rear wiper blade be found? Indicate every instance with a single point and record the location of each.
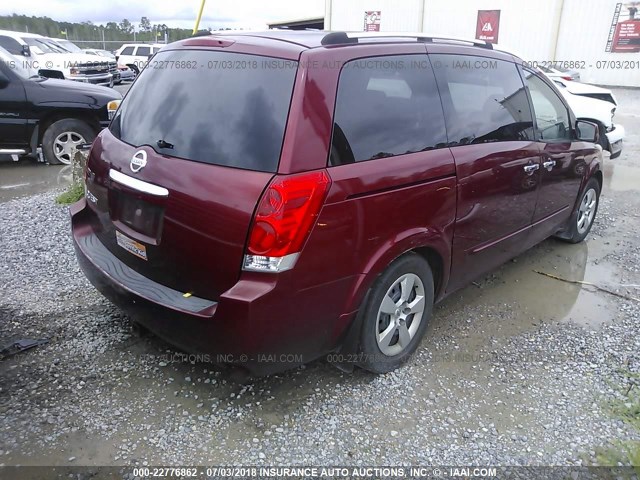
(162, 144)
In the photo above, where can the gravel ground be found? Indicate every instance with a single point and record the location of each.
(516, 369)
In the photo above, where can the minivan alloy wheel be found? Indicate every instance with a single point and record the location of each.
(587, 210)
(65, 146)
(400, 314)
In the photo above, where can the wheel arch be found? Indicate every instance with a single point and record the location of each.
(599, 177)
(89, 117)
(432, 245)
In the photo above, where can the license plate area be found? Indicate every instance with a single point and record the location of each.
(137, 217)
(131, 246)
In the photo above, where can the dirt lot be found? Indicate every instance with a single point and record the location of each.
(519, 368)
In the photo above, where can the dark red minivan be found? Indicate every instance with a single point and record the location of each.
(268, 198)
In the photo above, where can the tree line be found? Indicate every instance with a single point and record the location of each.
(90, 35)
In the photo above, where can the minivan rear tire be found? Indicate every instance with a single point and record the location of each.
(374, 354)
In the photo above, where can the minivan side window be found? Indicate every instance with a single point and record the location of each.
(143, 51)
(127, 51)
(484, 100)
(386, 106)
(552, 117)
(10, 45)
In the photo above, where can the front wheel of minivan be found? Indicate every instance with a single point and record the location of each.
(396, 313)
(582, 219)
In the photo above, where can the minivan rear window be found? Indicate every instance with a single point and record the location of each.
(207, 106)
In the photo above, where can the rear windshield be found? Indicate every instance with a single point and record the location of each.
(213, 107)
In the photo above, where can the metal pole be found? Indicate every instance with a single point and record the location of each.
(195, 27)
(104, 45)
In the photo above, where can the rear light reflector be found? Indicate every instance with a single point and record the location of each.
(260, 263)
(286, 214)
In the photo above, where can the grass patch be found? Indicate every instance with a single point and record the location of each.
(628, 410)
(74, 193)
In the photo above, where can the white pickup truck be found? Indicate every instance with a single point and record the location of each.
(44, 56)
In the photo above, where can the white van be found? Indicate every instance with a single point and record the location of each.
(136, 55)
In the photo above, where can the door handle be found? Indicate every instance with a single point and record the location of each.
(529, 169)
(549, 165)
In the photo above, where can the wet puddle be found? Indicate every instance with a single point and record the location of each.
(27, 177)
(621, 177)
(518, 287)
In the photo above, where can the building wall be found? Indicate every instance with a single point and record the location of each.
(583, 36)
(397, 15)
(542, 30)
(518, 22)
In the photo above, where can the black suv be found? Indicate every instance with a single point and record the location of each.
(56, 115)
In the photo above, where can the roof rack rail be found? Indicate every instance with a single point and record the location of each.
(342, 38)
(337, 38)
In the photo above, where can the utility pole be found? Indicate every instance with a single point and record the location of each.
(104, 45)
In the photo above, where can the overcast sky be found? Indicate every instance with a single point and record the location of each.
(175, 13)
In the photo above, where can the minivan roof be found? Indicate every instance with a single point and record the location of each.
(300, 40)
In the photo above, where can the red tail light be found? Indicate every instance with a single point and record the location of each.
(286, 214)
(567, 78)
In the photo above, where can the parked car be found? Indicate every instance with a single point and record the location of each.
(113, 65)
(585, 90)
(597, 105)
(126, 74)
(564, 74)
(328, 193)
(52, 60)
(136, 55)
(99, 52)
(110, 58)
(47, 117)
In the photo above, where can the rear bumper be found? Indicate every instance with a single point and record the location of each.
(256, 324)
(615, 138)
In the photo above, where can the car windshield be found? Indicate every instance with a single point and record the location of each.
(208, 113)
(69, 46)
(16, 66)
(41, 45)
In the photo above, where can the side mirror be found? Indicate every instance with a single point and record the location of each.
(26, 51)
(587, 131)
(4, 80)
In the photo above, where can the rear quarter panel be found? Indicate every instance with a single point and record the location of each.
(372, 216)
(375, 210)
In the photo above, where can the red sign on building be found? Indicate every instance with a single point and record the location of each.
(488, 25)
(372, 21)
(627, 36)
